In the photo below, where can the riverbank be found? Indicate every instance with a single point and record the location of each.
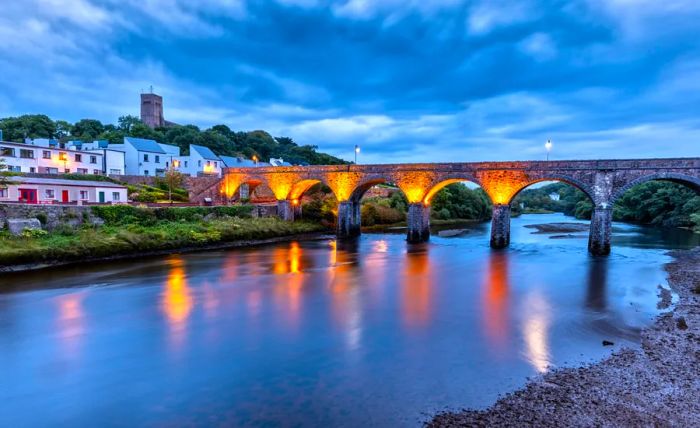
(657, 385)
(37, 250)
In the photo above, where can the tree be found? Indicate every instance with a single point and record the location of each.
(87, 129)
(126, 123)
(173, 179)
(27, 126)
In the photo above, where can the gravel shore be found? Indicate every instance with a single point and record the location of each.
(657, 385)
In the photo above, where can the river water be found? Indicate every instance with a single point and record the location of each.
(322, 333)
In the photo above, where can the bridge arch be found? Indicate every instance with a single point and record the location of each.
(687, 180)
(558, 178)
(365, 184)
(448, 179)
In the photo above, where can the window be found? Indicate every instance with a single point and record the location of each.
(199, 163)
(93, 159)
(7, 151)
(62, 156)
(115, 172)
(216, 165)
(14, 168)
(4, 193)
(185, 164)
(96, 171)
(26, 154)
(208, 163)
(52, 170)
(145, 157)
(67, 170)
(82, 170)
(32, 169)
(84, 195)
(167, 164)
(145, 172)
(115, 196)
(46, 154)
(157, 159)
(49, 193)
(78, 157)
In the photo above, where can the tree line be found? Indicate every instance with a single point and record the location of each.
(219, 138)
(657, 203)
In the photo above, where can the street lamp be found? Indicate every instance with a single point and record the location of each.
(255, 159)
(548, 146)
(357, 150)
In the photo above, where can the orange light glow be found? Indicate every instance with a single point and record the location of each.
(343, 184)
(301, 187)
(501, 186)
(495, 300)
(415, 184)
(416, 290)
(176, 299)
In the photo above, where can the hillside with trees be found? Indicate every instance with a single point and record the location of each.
(219, 138)
(656, 203)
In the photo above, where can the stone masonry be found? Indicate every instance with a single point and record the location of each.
(603, 181)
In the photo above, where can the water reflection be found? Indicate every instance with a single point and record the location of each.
(416, 287)
(495, 300)
(176, 299)
(597, 283)
(71, 322)
(537, 312)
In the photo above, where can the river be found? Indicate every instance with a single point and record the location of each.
(372, 333)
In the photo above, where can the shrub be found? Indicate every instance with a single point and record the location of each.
(34, 233)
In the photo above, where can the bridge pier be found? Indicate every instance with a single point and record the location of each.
(500, 226)
(418, 222)
(601, 229)
(348, 219)
(285, 210)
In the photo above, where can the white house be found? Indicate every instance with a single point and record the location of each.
(146, 157)
(113, 161)
(41, 156)
(201, 161)
(60, 191)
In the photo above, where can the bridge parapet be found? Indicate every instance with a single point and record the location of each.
(603, 181)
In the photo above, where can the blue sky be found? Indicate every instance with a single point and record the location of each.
(409, 81)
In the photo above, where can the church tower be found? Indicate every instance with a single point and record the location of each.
(152, 110)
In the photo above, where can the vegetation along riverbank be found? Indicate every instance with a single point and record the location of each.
(133, 231)
(657, 385)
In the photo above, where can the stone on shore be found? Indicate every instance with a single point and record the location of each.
(17, 225)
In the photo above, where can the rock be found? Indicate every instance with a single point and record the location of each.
(96, 221)
(17, 225)
(608, 343)
(451, 232)
(681, 324)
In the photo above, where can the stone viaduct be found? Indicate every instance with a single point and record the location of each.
(603, 181)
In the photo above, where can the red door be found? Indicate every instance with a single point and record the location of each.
(28, 196)
(64, 196)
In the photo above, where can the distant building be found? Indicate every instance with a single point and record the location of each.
(33, 190)
(201, 161)
(44, 156)
(554, 196)
(152, 111)
(146, 157)
(239, 162)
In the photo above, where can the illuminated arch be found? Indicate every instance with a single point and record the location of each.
(446, 181)
(366, 184)
(687, 180)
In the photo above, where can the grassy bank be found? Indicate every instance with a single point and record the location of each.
(141, 231)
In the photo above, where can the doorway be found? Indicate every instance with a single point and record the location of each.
(28, 196)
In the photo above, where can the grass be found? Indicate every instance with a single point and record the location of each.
(134, 239)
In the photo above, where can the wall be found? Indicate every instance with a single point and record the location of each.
(54, 214)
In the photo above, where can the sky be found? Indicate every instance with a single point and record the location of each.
(406, 80)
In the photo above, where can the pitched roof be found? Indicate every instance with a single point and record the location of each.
(63, 182)
(235, 162)
(144, 145)
(204, 152)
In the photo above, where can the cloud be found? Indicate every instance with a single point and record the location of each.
(407, 80)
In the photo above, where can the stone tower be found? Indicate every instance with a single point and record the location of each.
(152, 110)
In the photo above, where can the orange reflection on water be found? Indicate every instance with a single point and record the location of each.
(289, 281)
(495, 300)
(176, 299)
(416, 290)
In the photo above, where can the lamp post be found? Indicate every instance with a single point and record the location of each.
(255, 159)
(548, 146)
(357, 150)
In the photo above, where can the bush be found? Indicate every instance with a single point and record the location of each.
(127, 214)
(34, 233)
